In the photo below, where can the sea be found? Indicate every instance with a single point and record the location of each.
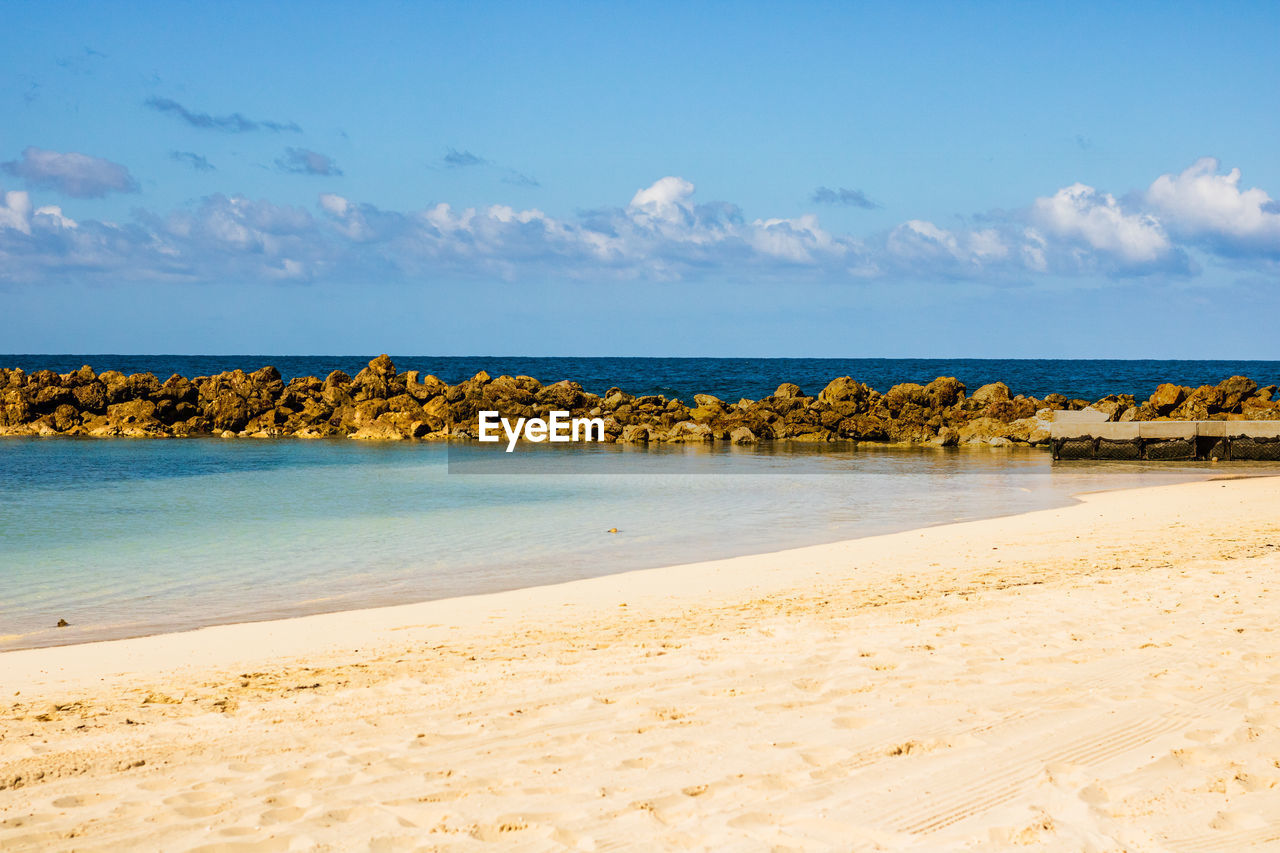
(122, 538)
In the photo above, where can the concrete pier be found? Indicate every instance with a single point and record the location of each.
(1083, 435)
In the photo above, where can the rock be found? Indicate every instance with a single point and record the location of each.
(83, 376)
(141, 386)
(634, 434)
(372, 382)
(689, 432)
(905, 394)
(383, 367)
(843, 389)
(945, 391)
(992, 392)
(1010, 410)
(983, 429)
(1031, 430)
(1057, 402)
(90, 397)
(63, 623)
(742, 435)
(787, 391)
(430, 386)
(863, 428)
(336, 391)
(708, 401)
(946, 437)
(1199, 404)
(228, 411)
(1112, 405)
(51, 397)
(1260, 409)
(65, 418)
(178, 389)
(135, 418)
(266, 382)
(563, 395)
(1235, 391)
(1167, 397)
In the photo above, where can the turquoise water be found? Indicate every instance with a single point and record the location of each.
(124, 538)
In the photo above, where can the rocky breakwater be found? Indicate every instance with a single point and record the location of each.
(381, 403)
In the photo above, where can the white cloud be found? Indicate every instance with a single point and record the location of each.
(1200, 205)
(666, 200)
(1081, 214)
(15, 213)
(53, 214)
(663, 232)
(919, 244)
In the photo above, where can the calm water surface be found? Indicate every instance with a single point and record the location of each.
(123, 538)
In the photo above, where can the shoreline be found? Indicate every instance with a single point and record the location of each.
(297, 631)
(1103, 673)
(1185, 475)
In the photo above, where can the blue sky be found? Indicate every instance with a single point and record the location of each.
(958, 179)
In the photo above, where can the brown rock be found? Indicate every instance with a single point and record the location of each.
(1167, 397)
(383, 366)
(179, 389)
(1057, 402)
(983, 429)
(228, 411)
(844, 389)
(688, 432)
(634, 434)
(905, 394)
(945, 391)
(992, 392)
(788, 390)
(563, 395)
(1235, 391)
(947, 437)
(136, 418)
(423, 390)
(863, 428)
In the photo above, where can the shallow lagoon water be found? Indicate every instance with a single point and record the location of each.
(123, 538)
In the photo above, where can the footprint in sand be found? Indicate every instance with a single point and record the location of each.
(851, 722)
(71, 802)
(640, 763)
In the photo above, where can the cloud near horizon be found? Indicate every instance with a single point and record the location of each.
(71, 173)
(662, 233)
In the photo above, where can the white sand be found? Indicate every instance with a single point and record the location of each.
(1100, 677)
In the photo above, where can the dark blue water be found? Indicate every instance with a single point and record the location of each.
(729, 378)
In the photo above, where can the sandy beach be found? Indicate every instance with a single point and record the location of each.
(1104, 676)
